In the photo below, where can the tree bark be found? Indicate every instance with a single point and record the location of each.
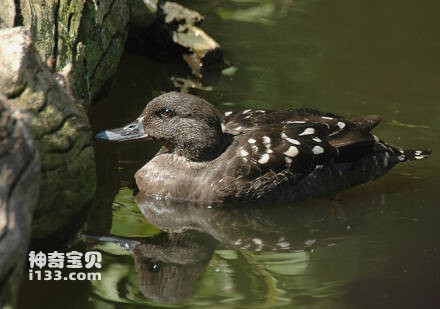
(60, 127)
(85, 38)
(19, 186)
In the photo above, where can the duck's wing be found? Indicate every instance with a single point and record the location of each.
(351, 138)
(239, 122)
(273, 153)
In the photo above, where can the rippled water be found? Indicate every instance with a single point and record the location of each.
(376, 246)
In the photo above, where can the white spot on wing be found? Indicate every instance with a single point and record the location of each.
(243, 152)
(264, 159)
(252, 141)
(326, 117)
(291, 152)
(228, 113)
(317, 150)
(290, 140)
(266, 140)
(340, 124)
(288, 160)
(293, 141)
(307, 131)
(376, 139)
(246, 111)
(294, 121)
(317, 139)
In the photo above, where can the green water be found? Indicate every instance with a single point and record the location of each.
(377, 246)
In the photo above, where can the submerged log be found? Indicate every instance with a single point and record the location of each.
(175, 32)
(19, 186)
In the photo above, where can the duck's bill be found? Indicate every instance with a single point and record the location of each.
(132, 131)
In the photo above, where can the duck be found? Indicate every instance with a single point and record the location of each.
(255, 154)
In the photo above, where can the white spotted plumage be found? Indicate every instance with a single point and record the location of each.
(306, 142)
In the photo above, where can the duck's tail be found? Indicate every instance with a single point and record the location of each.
(403, 155)
(414, 154)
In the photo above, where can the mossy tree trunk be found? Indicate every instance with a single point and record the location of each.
(19, 186)
(84, 39)
(61, 130)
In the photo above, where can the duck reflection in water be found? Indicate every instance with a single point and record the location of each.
(249, 228)
(170, 264)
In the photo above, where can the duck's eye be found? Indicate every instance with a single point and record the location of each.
(167, 113)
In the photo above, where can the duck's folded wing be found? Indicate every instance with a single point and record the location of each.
(351, 138)
(298, 148)
(274, 154)
(239, 122)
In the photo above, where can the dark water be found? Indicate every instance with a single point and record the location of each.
(377, 246)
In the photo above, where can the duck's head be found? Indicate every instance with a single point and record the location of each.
(185, 124)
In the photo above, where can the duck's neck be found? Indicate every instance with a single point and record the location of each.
(204, 147)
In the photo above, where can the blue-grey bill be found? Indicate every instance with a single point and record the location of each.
(132, 131)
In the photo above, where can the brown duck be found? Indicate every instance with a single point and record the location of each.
(255, 154)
